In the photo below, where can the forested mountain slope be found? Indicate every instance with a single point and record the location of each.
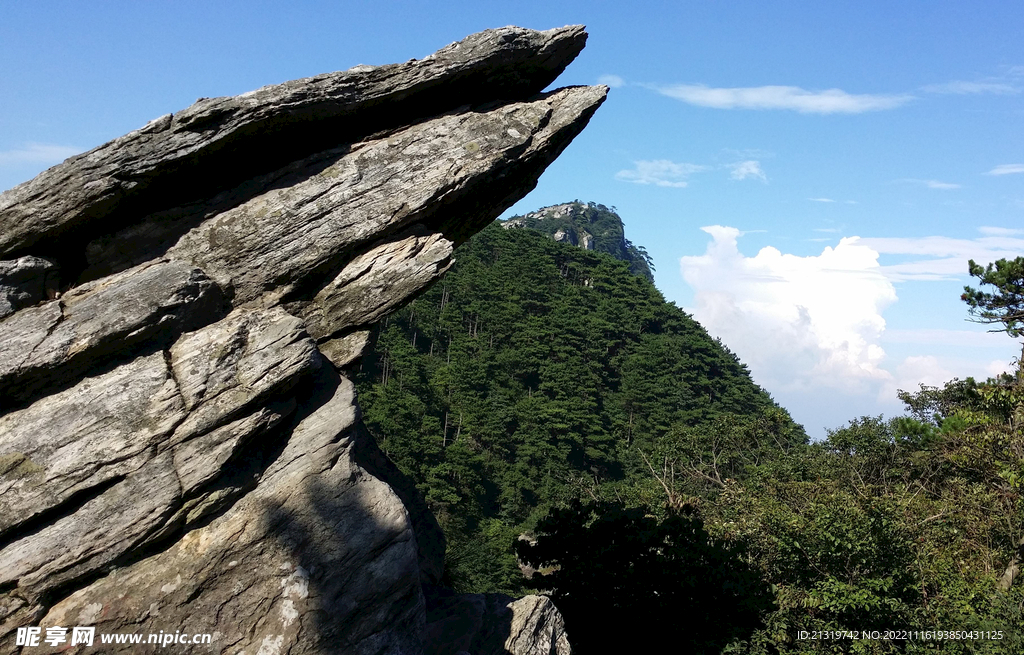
(532, 373)
(542, 390)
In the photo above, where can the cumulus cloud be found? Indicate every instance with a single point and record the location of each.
(997, 367)
(1006, 169)
(922, 369)
(660, 172)
(37, 154)
(959, 87)
(749, 168)
(827, 307)
(614, 81)
(830, 101)
(799, 322)
(914, 371)
(812, 330)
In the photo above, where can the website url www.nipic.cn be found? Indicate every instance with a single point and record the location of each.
(58, 636)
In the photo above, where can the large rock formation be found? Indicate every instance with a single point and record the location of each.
(180, 448)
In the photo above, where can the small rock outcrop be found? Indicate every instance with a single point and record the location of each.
(24, 282)
(180, 445)
(494, 624)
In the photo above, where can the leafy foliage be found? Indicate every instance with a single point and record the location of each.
(668, 578)
(889, 523)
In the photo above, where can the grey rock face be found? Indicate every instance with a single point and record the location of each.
(63, 338)
(319, 557)
(180, 449)
(25, 281)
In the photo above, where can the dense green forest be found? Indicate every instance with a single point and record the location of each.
(562, 419)
(531, 373)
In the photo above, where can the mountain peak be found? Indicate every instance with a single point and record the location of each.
(590, 226)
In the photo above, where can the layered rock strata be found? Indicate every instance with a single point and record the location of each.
(180, 448)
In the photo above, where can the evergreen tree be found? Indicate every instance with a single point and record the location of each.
(1005, 305)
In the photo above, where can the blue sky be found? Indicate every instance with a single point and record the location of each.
(810, 178)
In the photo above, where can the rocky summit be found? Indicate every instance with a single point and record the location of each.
(590, 226)
(181, 448)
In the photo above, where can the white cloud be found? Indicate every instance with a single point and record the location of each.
(934, 246)
(660, 172)
(799, 322)
(914, 371)
(821, 199)
(948, 268)
(971, 88)
(36, 154)
(1006, 169)
(997, 367)
(750, 168)
(922, 369)
(614, 81)
(812, 331)
(945, 257)
(667, 173)
(944, 337)
(931, 184)
(1000, 231)
(831, 101)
